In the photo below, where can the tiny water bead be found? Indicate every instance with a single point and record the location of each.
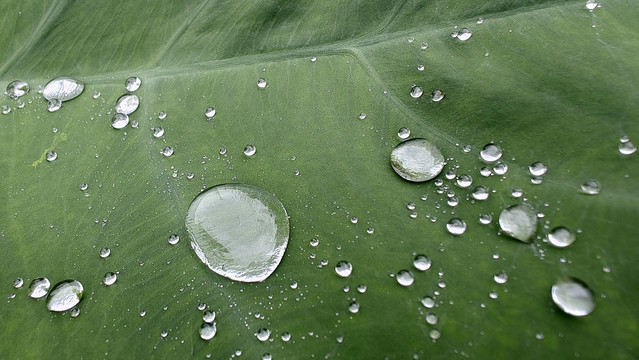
(537, 169)
(500, 278)
(54, 105)
(261, 83)
(313, 59)
(174, 239)
(132, 84)
(17, 88)
(403, 133)
(65, 296)
(361, 288)
(491, 153)
(404, 278)
(485, 171)
(561, 237)
(456, 226)
(464, 34)
(158, 132)
(422, 262)
(267, 356)
(573, 296)
(249, 150)
(110, 278)
(437, 95)
(344, 269)
(416, 92)
(201, 306)
(362, 116)
(127, 104)
(417, 160)
(17, 283)
(353, 307)
(105, 252)
(263, 334)
(516, 192)
(167, 151)
(208, 331)
(6, 109)
(424, 46)
(591, 187)
(519, 222)
(464, 181)
(238, 231)
(209, 112)
(119, 121)
(62, 89)
(51, 156)
(420, 67)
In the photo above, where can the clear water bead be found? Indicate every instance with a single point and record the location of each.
(286, 337)
(422, 262)
(500, 278)
(39, 287)
(174, 239)
(249, 150)
(261, 83)
(403, 133)
(485, 219)
(158, 132)
(428, 302)
(561, 237)
(17, 88)
(161, 115)
(591, 187)
(404, 278)
(54, 105)
(51, 156)
(573, 296)
(344, 269)
(480, 193)
(119, 121)
(491, 153)
(537, 169)
(591, 5)
(424, 45)
(420, 67)
(417, 160)
(209, 112)
(353, 307)
(464, 34)
(105, 252)
(208, 331)
(362, 116)
(62, 89)
(416, 92)
(110, 278)
(133, 83)
(238, 231)
(500, 168)
(456, 226)
(65, 296)
(627, 148)
(127, 104)
(519, 222)
(464, 181)
(437, 95)
(263, 334)
(167, 151)
(17, 283)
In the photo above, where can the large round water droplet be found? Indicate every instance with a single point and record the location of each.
(110, 278)
(239, 231)
(480, 193)
(416, 92)
(456, 226)
(65, 295)
(491, 153)
(62, 89)
(561, 237)
(344, 269)
(405, 278)
(573, 296)
(519, 222)
(127, 104)
(249, 150)
(261, 83)
(209, 113)
(208, 331)
(119, 121)
(417, 160)
(17, 88)
(263, 334)
(353, 308)
(464, 181)
(167, 151)
(500, 278)
(133, 83)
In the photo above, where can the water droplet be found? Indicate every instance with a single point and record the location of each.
(54, 105)
(96, 94)
(485, 171)
(422, 262)
(573, 296)
(627, 148)
(158, 132)
(456, 226)
(174, 239)
(428, 302)
(519, 222)
(516, 192)
(286, 337)
(403, 133)
(110, 278)
(201, 306)
(209, 316)
(17, 88)
(591, 5)
(480, 21)
(353, 307)
(314, 242)
(410, 206)
(411, 39)
(51, 156)
(362, 116)
(208, 331)
(361, 288)
(167, 151)
(249, 150)
(105, 252)
(261, 83)
(464, 34)
(344, 268)
(239, 231)
(480, 193)
(17, 283)
(267, 356)
(313, 59)
(424, 46)
(62, 89)
(500, 278)
(434, 334)
(591, 187)
(119, 121)
(431, 319)
(65, 295)
(210, 112)
(132, 84)
(493, 295)
(417, 160)
(464, 181)
(561, 237)
(127, 104)
(420, 67)
(437, 95)
(491, 153)
(537, 169)
(6, 109)
(354, 220)
(405, 278)
(500, 168)
(416, 92)
(75, 312)
(294, 285)
(263, 334)
(370, 230)
(164, 334)
(161, 115)
(485, 219)
(84, 186)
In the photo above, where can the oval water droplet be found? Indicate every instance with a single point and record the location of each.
(75, 312)
(261, 83)
(456, 226)
(65, 295)
(96, 94)
(286, 337)
(464, 34)
(158, 132)
(54, 105)
(51, 156)
(239, 231)
(561, 237)
(209, 113)
(424, 45)
(434, 334)
(404, 278)
(119, 121)
(417, 160)
(437, 95)
(420, 67)
(353, 307)
(132, 84)
(537, 169)
(491, 153)
(110, 278)
(428, 302)
(416, 92)
(249, 150)
(161, 115)
(627, 148)
(127, 104)
(519, 222)
(174, 239)
(485, 219)
(431, 319)
(362, 116)
(17, 283)
(591, 187)
(422, 262)
(464, 181)
(263, 334)
(500, 278)
(167, 151)
(480, 193)
(500, 168)
(17, 88)
(344, 268)
(105, 252)
(62, 89)
(403, 133)
(591, 5)
(208, 331)
(573, 296)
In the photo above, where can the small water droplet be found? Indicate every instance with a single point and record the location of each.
(209, 316)
(96, 94)
(491, 153)
(110, 278)
(464, 181)
(174, 239)
(417, 160)
(405, 278)
(75, 312)
(411, 39)
(167, 151)
(410, 206)
(420, 67)
(493, 295)
(313, 59)
(105, 252)
(437, 95)
(537, 169)
(286, 337)
(370, 230)
(353, 307)
(158, 132)
(416, 92)
(480, 21)
(456, 226)
(267, 356)
(403, 133)
(362, 116)
(627, 148)
(6, 109)
(127, 104)
(516, 192)
(62, 89)
(464, 34)
(17, 283)
(208, 331)
(424, 46)
(485, 171)
(164, 334)
(591, 187)
(209, 113)
(263, 334)
(249, 150)
(573, 296)
(84, 186)
(201, 306)
(54, 105)
(354, 220)
(261, 83)
(561, 237)
(133, 83)
(428, 302)
(51, 156)
(591, 5)
(361, 288)
(17, 88)
(434, 334)
(119, 121)
(500, 168)
(480, 193)
(422, 262)
(500, 278)
(65, 295)
(519, 222)
(485, 219)
(431, 319)
(344, 268)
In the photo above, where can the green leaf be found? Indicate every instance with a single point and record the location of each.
(547, 81)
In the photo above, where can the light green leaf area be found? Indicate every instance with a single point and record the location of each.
(547, 81)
